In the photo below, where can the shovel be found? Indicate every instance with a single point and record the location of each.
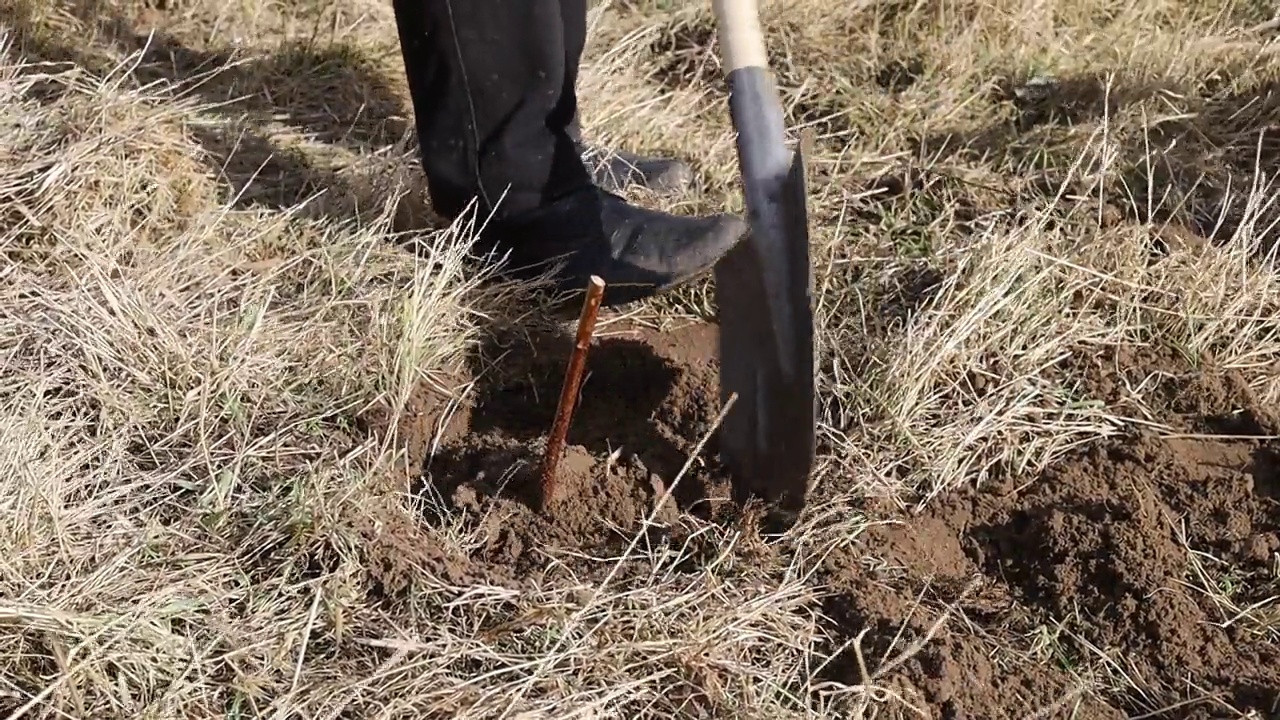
(764, 286)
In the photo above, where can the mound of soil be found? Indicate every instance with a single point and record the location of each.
(646, 400)
(1139, 573)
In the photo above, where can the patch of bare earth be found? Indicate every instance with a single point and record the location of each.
(648, 399)
(1138, 575)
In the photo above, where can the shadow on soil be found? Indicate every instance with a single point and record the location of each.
(636, 404)
(328, 93)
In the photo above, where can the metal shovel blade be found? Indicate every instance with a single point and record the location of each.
(764, 287)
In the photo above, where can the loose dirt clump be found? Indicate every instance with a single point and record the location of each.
(1099, 587)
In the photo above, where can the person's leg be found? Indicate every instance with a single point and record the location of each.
(488, 84)
(485, 78)
(612, 170)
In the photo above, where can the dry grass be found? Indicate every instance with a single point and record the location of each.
(199, 303)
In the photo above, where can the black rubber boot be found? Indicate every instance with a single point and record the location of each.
(614, 170)
(611, 170)
(637, 252)
(492, 84)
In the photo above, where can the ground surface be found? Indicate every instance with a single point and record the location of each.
(256, 460)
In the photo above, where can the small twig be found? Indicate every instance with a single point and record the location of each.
(569, 391)
(306, 638)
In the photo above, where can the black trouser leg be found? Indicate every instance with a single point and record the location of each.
(573, 15)
(492, 89)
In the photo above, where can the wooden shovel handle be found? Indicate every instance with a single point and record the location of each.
(740, 34)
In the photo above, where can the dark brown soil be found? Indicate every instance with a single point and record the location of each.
(1073, 594)
(1095, 559)
(646, 400)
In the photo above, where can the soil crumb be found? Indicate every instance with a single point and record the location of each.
(1104, 587)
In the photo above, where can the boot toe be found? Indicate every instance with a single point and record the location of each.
(670, 251)
(700, 251)
(668, 176)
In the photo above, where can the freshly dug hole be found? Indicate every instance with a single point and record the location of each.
(647, 398)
